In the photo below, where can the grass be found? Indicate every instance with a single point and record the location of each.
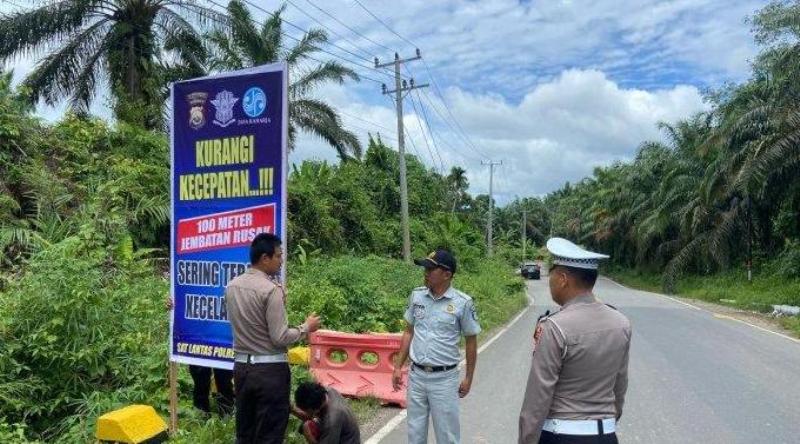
(729, 288)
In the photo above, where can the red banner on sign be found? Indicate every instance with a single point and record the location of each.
(225, 230)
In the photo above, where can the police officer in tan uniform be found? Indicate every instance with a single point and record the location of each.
(579, 372)
(261, 334)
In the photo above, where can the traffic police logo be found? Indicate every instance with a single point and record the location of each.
(224, 102)
(254, 102)
(197, 109)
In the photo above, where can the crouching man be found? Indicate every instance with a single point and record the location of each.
(327, 418)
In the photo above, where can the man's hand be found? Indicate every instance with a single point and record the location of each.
(300, 414)
(313, 322)
(397, 379)
(463, 389)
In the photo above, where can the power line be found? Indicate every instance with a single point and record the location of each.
(331, 30)
(430, 74)
(369, 56)
(367, 130)
(438, 92)
(365, 121)
(421, 130)
(384, 24)
(299, 40)
(15, 4)
(348, 27)
(303, 30)
(450, 125)
(413, 145)
(430, 128)
(428, 124)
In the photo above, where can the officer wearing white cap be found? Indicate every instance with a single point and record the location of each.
(579, 372)
(436, 318)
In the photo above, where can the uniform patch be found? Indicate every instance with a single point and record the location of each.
(419, 311)
(537, 332)
(537, 335)
(474, 313)
(451, 308)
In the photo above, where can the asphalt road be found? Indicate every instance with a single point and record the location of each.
(694, 377)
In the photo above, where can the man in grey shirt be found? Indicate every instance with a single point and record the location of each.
(437, 317)
(579, 372)
(333, 421)
(261, 335)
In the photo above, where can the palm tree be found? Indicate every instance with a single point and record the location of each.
(245, 45)
(458, 184)
(87, 41)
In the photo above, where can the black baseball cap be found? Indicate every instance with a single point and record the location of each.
(439, 258)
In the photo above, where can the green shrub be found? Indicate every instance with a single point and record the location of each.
(82, 334)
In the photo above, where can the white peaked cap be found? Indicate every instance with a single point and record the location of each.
(570, 255)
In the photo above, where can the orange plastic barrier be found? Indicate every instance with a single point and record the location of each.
(358, 365)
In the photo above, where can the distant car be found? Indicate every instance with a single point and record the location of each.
(531, 271)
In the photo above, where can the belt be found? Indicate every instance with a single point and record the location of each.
(435, 369)
(246, 358)
(582, 427)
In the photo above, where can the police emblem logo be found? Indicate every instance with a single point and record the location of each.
(419, 311)
(451, 308)
(224, 102)
(197, 109)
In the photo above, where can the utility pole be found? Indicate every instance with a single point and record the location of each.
(402, 88)
(748, 202)
(491, 164)
(524, 232)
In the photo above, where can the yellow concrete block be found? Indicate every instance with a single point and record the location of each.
(299, 355)
(132, 424)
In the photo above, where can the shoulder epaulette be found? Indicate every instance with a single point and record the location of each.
(463, 295)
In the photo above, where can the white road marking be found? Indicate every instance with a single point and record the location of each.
(694, 307)
(721, 316)
(716, 315)
(398, 418)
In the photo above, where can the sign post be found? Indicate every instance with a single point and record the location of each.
(228, 184)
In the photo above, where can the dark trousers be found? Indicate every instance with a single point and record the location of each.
(202, 388)
(552, 438)
(262, 402)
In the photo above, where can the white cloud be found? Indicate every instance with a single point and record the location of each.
(561, 130)
(558, 132)
(554, 88)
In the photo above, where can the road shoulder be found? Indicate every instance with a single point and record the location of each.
(753, 318)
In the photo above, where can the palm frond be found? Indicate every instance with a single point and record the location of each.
(329, 71)
(31, 32)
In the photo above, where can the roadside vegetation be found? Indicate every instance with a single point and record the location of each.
(84, 206)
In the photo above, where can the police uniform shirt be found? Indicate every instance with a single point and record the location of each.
(257, 315)
(579, 368)
(439, 324)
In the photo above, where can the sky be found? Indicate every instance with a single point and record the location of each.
(551, 88)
